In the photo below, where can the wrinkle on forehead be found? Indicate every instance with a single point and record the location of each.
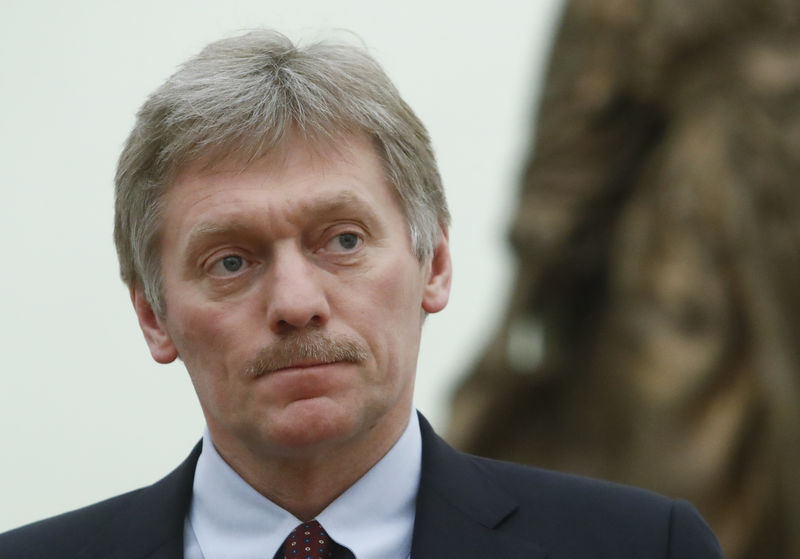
(297, 148)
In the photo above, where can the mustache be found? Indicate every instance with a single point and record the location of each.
(313, 346)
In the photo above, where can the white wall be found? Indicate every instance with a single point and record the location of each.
(84, 412)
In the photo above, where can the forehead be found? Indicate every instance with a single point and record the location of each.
(294, 149)
(298, 180)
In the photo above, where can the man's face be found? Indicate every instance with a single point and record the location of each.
(294, 298)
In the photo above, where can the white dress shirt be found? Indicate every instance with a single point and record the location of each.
(374, 518)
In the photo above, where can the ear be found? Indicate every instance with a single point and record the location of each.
(158, 340)
(437, 285)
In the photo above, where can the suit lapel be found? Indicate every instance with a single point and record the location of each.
(460, 510)
(151, 527)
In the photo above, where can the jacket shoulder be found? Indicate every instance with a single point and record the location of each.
(538, 485)
(556, 515)
(65, 535)
(133, 524)
(585, 515)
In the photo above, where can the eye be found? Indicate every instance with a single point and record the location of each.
(348, 241)
(344, 242)
(227, 265)
(232, 263)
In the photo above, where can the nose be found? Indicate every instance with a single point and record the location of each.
(296, 299)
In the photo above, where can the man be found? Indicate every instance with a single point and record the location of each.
(282, 228)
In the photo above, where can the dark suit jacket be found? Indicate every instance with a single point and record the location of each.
(467, 507)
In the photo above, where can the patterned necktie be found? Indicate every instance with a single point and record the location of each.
(309, 541)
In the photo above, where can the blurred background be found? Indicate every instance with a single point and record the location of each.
(622, 176)
(652, 333)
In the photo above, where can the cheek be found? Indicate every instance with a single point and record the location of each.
(393, 316)
(209, 340)
(401, 294)
(201, 332)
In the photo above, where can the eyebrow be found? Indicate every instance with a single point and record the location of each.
(343, 202)
(202, 233)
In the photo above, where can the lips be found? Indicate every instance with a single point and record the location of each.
(305, 365)
(305, 381)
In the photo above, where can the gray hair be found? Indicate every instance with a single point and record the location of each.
(245, 95)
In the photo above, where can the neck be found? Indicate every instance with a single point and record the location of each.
(306, 484)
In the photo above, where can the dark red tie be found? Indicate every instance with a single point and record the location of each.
(308, 541)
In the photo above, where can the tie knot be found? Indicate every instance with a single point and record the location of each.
(308, 541)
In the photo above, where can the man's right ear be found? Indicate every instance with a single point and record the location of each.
(158, 340)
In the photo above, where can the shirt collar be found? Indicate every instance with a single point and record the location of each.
(231, 519)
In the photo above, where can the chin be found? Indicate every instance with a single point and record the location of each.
(306, 425)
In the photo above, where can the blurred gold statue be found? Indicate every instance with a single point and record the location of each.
(653, 335)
